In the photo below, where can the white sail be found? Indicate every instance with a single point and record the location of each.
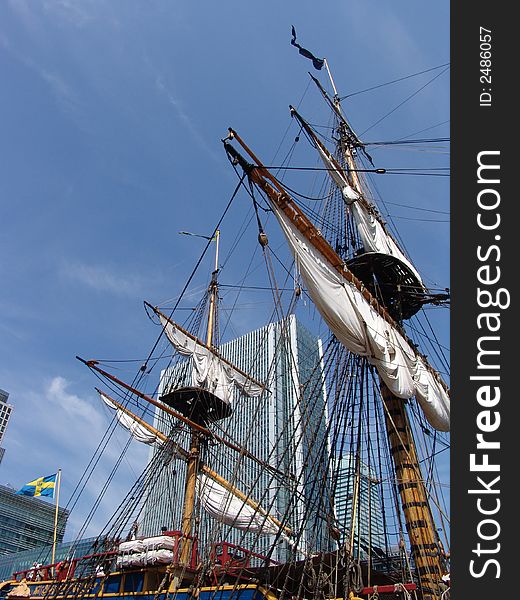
(149, 557)
(209, 370)
(138, 431)
(227, 508)
(360, 328)
(371, 231)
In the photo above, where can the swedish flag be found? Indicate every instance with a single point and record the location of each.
(43, 486)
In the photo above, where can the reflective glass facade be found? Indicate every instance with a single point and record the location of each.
(27, 522)
(277, 428)
(369, 528)
(5, 414)
(19, 561)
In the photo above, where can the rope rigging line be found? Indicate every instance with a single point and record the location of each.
(375, 87)
(408, 98)
(87, 474)
(417, 219)
(404, 141)
(199, 260)
(424, 171)
(425, 129)
(321, 422)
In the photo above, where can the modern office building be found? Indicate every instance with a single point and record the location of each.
(27, 522)
(368, 518)
(5, 414)
(20, 561)
(286, 427)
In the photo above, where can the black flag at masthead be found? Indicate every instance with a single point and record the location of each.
(317, 62)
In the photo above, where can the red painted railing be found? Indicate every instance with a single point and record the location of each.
(389, 589)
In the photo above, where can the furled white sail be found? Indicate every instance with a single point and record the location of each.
(159, 542)
(209, 370)
(138, 431)
(225, 507)
(371, 231)
(360, 328)
(140, 559)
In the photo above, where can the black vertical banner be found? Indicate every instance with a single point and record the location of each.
(485, 234)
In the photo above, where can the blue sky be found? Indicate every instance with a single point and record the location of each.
(112, 115)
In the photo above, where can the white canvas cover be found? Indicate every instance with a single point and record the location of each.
(371, 231)
(161, 556)
(141, 559)
(362, 330)
(140, 433)
(227, 508)
(159, 542)
(131, 546)
(209, 371)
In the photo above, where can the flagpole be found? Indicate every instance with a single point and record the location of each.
(330, 77)
(58, 481)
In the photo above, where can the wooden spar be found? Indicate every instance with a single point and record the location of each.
(352, 172)
(201, 343)
(337, 166)
(164, 438)
(416, 508)
(430, 563)
(92, 364)
(286, 204)
(337, 109)
(212, 314)
(305, 226)
(425, 545)
(189, 497)
(194, 456)
(203, 467)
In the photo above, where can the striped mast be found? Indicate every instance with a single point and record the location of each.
(425, 546)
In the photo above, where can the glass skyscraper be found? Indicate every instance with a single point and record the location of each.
(20, 561)
(5, 414)
(27, 522)
(286, 427)
(368, 515)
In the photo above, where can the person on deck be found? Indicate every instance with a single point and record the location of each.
(62, 570)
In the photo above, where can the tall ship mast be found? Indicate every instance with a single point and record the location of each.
(304, 466)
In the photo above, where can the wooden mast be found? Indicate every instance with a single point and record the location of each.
(429, 562)
(426, 551)
(424, 543)
(194, 454)
(261, 176)
(184, 455)
(213, 287)
(92, 364)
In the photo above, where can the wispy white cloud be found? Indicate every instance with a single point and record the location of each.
(185, 118)
(55, 415)
(72, 406)
(72, 11)
(104, 279)
(64, 94)
(25, 12)
(52, 426)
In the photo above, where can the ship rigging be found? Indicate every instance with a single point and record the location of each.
(341, 499)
